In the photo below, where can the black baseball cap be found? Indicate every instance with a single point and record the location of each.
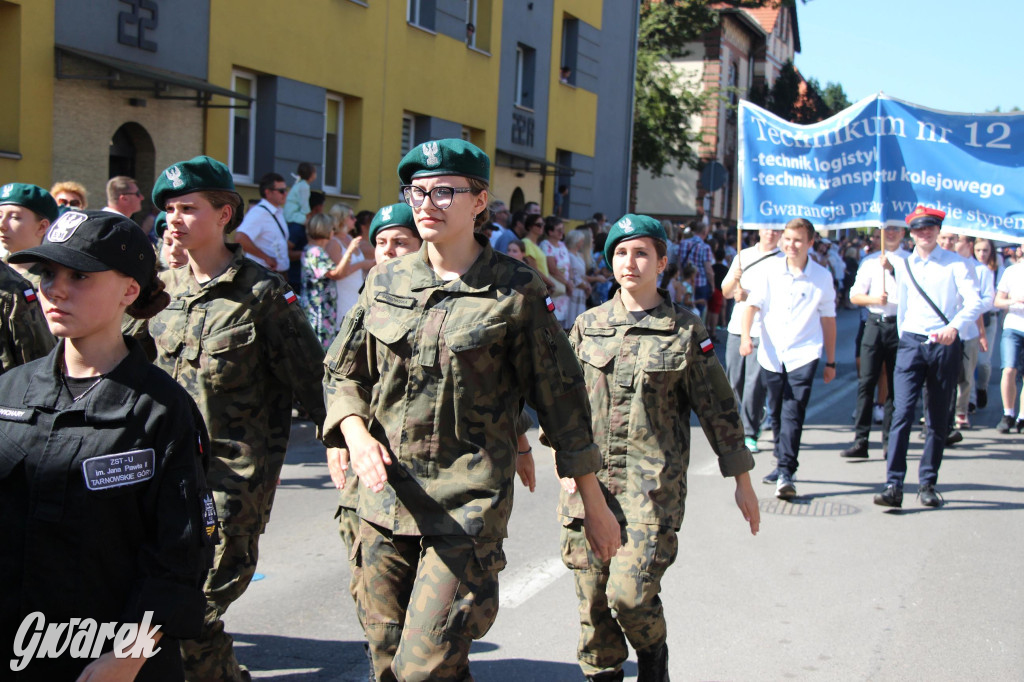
(94, 241)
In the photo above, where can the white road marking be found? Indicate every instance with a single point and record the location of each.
(529, 580)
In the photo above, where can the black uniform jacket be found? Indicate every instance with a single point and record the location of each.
(104, 512)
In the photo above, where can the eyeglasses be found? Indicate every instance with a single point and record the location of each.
(441, 197)
(73, 203)
(136, 193)
(281, 190)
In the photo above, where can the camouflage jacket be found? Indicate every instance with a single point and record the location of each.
(242, 348)
(453, 362)
(644, 378)
(24, 335)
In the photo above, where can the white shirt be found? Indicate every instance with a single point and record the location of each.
(792, 304)
(264, 225)
(746, 257)
(870, 277)
(951, 284)
(112, 210)
(987, 292)
(496, 232)
(1012, 284)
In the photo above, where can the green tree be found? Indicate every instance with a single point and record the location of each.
(665, 104)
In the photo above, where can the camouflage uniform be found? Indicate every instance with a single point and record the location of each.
(452, 363)
(24, 335)
(644, 376)
(241, 347)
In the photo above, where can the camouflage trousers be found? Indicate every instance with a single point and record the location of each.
(348, 529)
(212, 656)
(423, 599)
(619, 599)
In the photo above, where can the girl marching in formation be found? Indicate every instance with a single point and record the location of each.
(647, 364)
(106, 517)
(454, 338)
(235, 337)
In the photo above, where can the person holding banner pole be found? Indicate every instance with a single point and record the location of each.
(744, 373)
(975, 337)
(875, 288)
(797, 303)
(938, 298)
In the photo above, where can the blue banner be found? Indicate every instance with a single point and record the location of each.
(875, 161)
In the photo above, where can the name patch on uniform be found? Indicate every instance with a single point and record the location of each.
(391, 299)
(15, 415)
(598, 331)
(113, 471)
(707, 346)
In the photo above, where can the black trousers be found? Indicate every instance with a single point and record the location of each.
(878, 347)
(788, 395)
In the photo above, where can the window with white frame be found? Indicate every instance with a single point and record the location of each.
(471, 21)
(334, 124)
(526, 59)
(242, 137)
(421, 13)
(408, 133)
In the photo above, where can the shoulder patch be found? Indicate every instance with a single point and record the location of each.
(549, 303)
(290, 297)
(707, 346)
(30, 294)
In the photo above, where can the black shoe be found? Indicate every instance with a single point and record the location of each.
(858, 451)
(652, 664)
(1020, 425)
(890, 497)
(613, 676)
(982, 398)
(784, 488)
(1005, 424)
(954, 438)
(971, 408)
(929, 498)
(772, 476)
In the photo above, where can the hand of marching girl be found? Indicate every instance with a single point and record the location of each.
(367, 455)
(746, 500)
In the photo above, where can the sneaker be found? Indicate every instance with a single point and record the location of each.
(751, 444)
(929, 498)
(982, 398)
(1005, 424)
(771, 477)
(784, 488)
(954, 438)
(962, 422)
(878, 413)
(858, 451)
(890, 497)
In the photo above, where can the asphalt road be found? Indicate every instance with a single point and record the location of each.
(833, 588)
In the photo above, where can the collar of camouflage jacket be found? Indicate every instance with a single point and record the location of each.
(479, 277)
(662, 318)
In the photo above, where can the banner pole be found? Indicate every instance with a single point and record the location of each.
(881, 241)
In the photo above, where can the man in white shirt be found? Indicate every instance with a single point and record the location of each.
(1010, 297)
(875, 288)
(938, 297)
(973, 336)
(745, 372)
(123, 196)
(797, 303)
(263, 234)
(499, 221)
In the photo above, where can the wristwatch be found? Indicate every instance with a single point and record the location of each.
(830, 365)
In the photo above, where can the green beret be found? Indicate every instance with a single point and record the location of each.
(631, 226)
(31, 197)
(160, 224)
(445, 157)
(395, 215)
(195, 175)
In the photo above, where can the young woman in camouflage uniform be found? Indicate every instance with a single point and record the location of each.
(647, 363)
(454, 338)
(235, 337)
